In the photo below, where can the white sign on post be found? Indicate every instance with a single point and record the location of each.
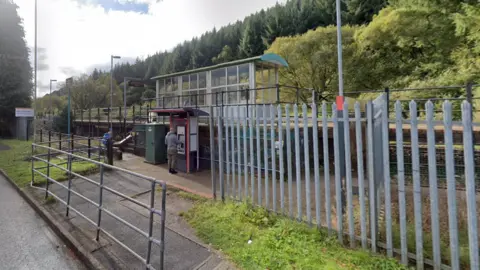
(24, 112)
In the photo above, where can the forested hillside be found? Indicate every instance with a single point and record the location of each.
(250, 37)
(408, 43)
(241, 39)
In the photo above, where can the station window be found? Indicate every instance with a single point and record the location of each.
(161, 84)
(193, 81)
(194, 92)
(185, 82)
(202, 80)
(232, 74)
(243, 74)
(218, 77)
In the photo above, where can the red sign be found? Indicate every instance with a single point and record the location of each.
(340, 101)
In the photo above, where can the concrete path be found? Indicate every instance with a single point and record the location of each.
(182, 249)
(4, 147)
(26, 241)
(198, 182)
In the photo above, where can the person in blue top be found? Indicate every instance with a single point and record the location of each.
(106, 136)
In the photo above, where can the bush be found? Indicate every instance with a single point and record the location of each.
(60, 122)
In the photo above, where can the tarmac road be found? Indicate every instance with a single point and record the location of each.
(26, 241)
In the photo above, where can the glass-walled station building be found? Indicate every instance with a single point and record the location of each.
(245, 84)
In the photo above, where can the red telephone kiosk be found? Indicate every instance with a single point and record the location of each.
(185, 123)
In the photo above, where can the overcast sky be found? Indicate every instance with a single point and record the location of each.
(76, 35)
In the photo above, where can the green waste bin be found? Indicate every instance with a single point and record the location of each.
(155, 148)
(139, 140)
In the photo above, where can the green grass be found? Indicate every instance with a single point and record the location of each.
(191, 196)
(277, 242)
(17, 164)
(463, 248)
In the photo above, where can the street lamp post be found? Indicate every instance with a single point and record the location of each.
(50, 109)
(68, 84)
(339, 50)
(340, 102)
(35, 80)
(111, 90)
(125, 79)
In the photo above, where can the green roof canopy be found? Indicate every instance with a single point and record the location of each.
(269, 58)
(274, 58)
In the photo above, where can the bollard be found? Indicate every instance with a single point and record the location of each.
(110, 151)
(71, 142)
(89, 147)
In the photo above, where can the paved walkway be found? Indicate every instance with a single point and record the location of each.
(198, 182)
(26, 241)
(182, 249)
(4, 147)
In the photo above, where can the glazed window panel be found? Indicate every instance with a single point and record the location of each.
(232, 95)
(162, 88)
(175, 83)
(193, 81)
(218, 77)
(190, 98)
(169, 85)
(272, 80)
(244, 73)
(244, 93)
(232, 75)
(202, 97)
(217, 95)
(169, 100)
(202, 80)
(185, 82)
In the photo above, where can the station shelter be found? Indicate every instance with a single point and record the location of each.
(184, 100)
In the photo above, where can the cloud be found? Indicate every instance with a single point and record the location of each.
(82, 35)
(42, 59)
(43, 88)
(70, 71)
(106, 65)
(119, 5)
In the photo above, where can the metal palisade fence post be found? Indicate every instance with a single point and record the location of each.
(288, 159)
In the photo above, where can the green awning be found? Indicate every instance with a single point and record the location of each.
(275, 59)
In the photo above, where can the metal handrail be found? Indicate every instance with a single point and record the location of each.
(101, 208)
(151, 179)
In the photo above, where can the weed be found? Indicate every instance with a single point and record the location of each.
(190, 196)
(50, 200)
(257, 239)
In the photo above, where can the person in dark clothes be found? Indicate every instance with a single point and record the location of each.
(172, 142)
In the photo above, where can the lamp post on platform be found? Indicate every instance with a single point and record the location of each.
(35, 80)
(125, 79)
(111, 90)
(68, 84)
(51, 97)
(340, 100)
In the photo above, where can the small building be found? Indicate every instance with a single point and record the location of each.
(241, 86)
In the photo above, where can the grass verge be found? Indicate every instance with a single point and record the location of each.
(276, 242)
(17, 164)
